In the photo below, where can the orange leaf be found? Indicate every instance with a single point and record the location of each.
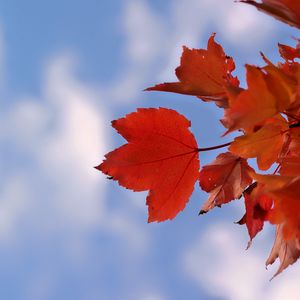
(287, 251)
(285, 191)
(287, 11)
(264, 144)
(290, 166)
(203, 73)
(161, 156)
(247, 108)
(225, 179)
(272, 182)
(287, 209)
(281, 84)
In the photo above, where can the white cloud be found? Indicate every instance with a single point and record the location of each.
(241, 25)
(13, 205)
(245, 27)
(63, 134)
(144, 31)
(219, 264)
(74, 144)
(27, 120)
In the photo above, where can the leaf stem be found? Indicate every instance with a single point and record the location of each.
(214, 147)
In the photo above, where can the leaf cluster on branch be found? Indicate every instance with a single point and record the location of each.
(161, 154)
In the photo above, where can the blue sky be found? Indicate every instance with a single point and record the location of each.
(68, 68)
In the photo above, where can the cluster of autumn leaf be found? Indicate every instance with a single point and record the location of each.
(162, 154)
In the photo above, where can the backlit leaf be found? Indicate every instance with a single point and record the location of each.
(161, 156)
(203, 73)
(287, 251)
(225, 179)
(264, 144)
(247, 108)
(257, 205)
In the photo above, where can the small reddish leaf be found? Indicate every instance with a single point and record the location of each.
(287, 11)
(203, 73)
(225, 179)
(161, 156)
(257, 206)
(288, 52)
(287, 251)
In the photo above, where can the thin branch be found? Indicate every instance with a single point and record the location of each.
(214, 147)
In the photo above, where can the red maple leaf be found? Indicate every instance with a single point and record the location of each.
(203, 73)
(161, 156)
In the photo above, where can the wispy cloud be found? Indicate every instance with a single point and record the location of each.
(62, 134)
(54, 193)
(219, 264)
